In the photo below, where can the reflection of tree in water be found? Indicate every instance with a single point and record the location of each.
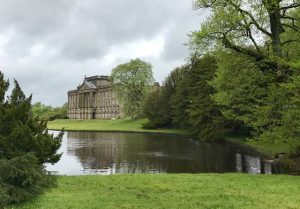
(138, 152)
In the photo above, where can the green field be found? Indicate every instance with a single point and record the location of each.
(171, 191)
(108, 125)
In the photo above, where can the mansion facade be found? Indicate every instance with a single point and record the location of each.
(94, 99)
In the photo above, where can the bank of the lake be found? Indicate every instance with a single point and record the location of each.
(119, 125)
(171, 191)
(126, 125)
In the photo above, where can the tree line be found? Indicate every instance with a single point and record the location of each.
(242, 76)
(47, 112)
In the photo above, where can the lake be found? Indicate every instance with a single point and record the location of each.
(112, 153)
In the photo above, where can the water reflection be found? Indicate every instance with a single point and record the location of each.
(110, 153)
(252, 164)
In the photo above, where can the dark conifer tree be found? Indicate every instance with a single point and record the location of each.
(25, 145)
(204, 115)
(192, 105)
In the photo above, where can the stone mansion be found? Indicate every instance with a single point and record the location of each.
(94, 99)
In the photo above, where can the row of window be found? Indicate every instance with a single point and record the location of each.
(102, 103)
(107, 103)
(102, 110)
(100, 116)
(106, 94)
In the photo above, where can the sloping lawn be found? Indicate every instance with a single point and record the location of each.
(107, 125)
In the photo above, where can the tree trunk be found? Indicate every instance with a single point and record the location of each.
(276, 27)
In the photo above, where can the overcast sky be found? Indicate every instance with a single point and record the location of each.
(50, 45)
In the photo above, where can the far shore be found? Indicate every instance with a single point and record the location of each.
(136, 126)
(119, 125)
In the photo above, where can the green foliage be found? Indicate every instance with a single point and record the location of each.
(22, 178)
(287, 127)
(192, 104)
(21, 133)
(292, 49)
(180, 101)
(3, 88)
(184, 101)
(132, 82)
(258, 64)
(158, 104)
(262, 30)
(203, 114)
(255, 98)
(25, 145)
(45, 112)
(152, 106)
(170, 84)
(241, 88)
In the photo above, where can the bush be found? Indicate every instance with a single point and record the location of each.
(25, 145)
(149, 125)
(22, 178)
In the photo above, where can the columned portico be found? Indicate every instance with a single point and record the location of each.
(94, 99)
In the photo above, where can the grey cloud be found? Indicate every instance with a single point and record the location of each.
(76, 35)
(34, 17)
(188, 21)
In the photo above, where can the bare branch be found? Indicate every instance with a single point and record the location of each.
(289, 18)
(242, 50)
(237, 7)
(294, 27)
(258, 57)
(253, 41)
(294, 5)
(289, 41)
(247, 26)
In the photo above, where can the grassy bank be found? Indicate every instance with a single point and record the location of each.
(264, 147)
(108, 125)
(171, 191)
(136, 126)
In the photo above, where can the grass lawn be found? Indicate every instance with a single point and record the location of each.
(107, 125)
(171, 191)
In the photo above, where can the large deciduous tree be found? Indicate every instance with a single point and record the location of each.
(258, 64)
(254, 28)
(132, 81)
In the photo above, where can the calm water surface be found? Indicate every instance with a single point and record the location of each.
(110, 153)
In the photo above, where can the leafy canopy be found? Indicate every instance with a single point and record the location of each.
(132, 81)
(255, 28)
